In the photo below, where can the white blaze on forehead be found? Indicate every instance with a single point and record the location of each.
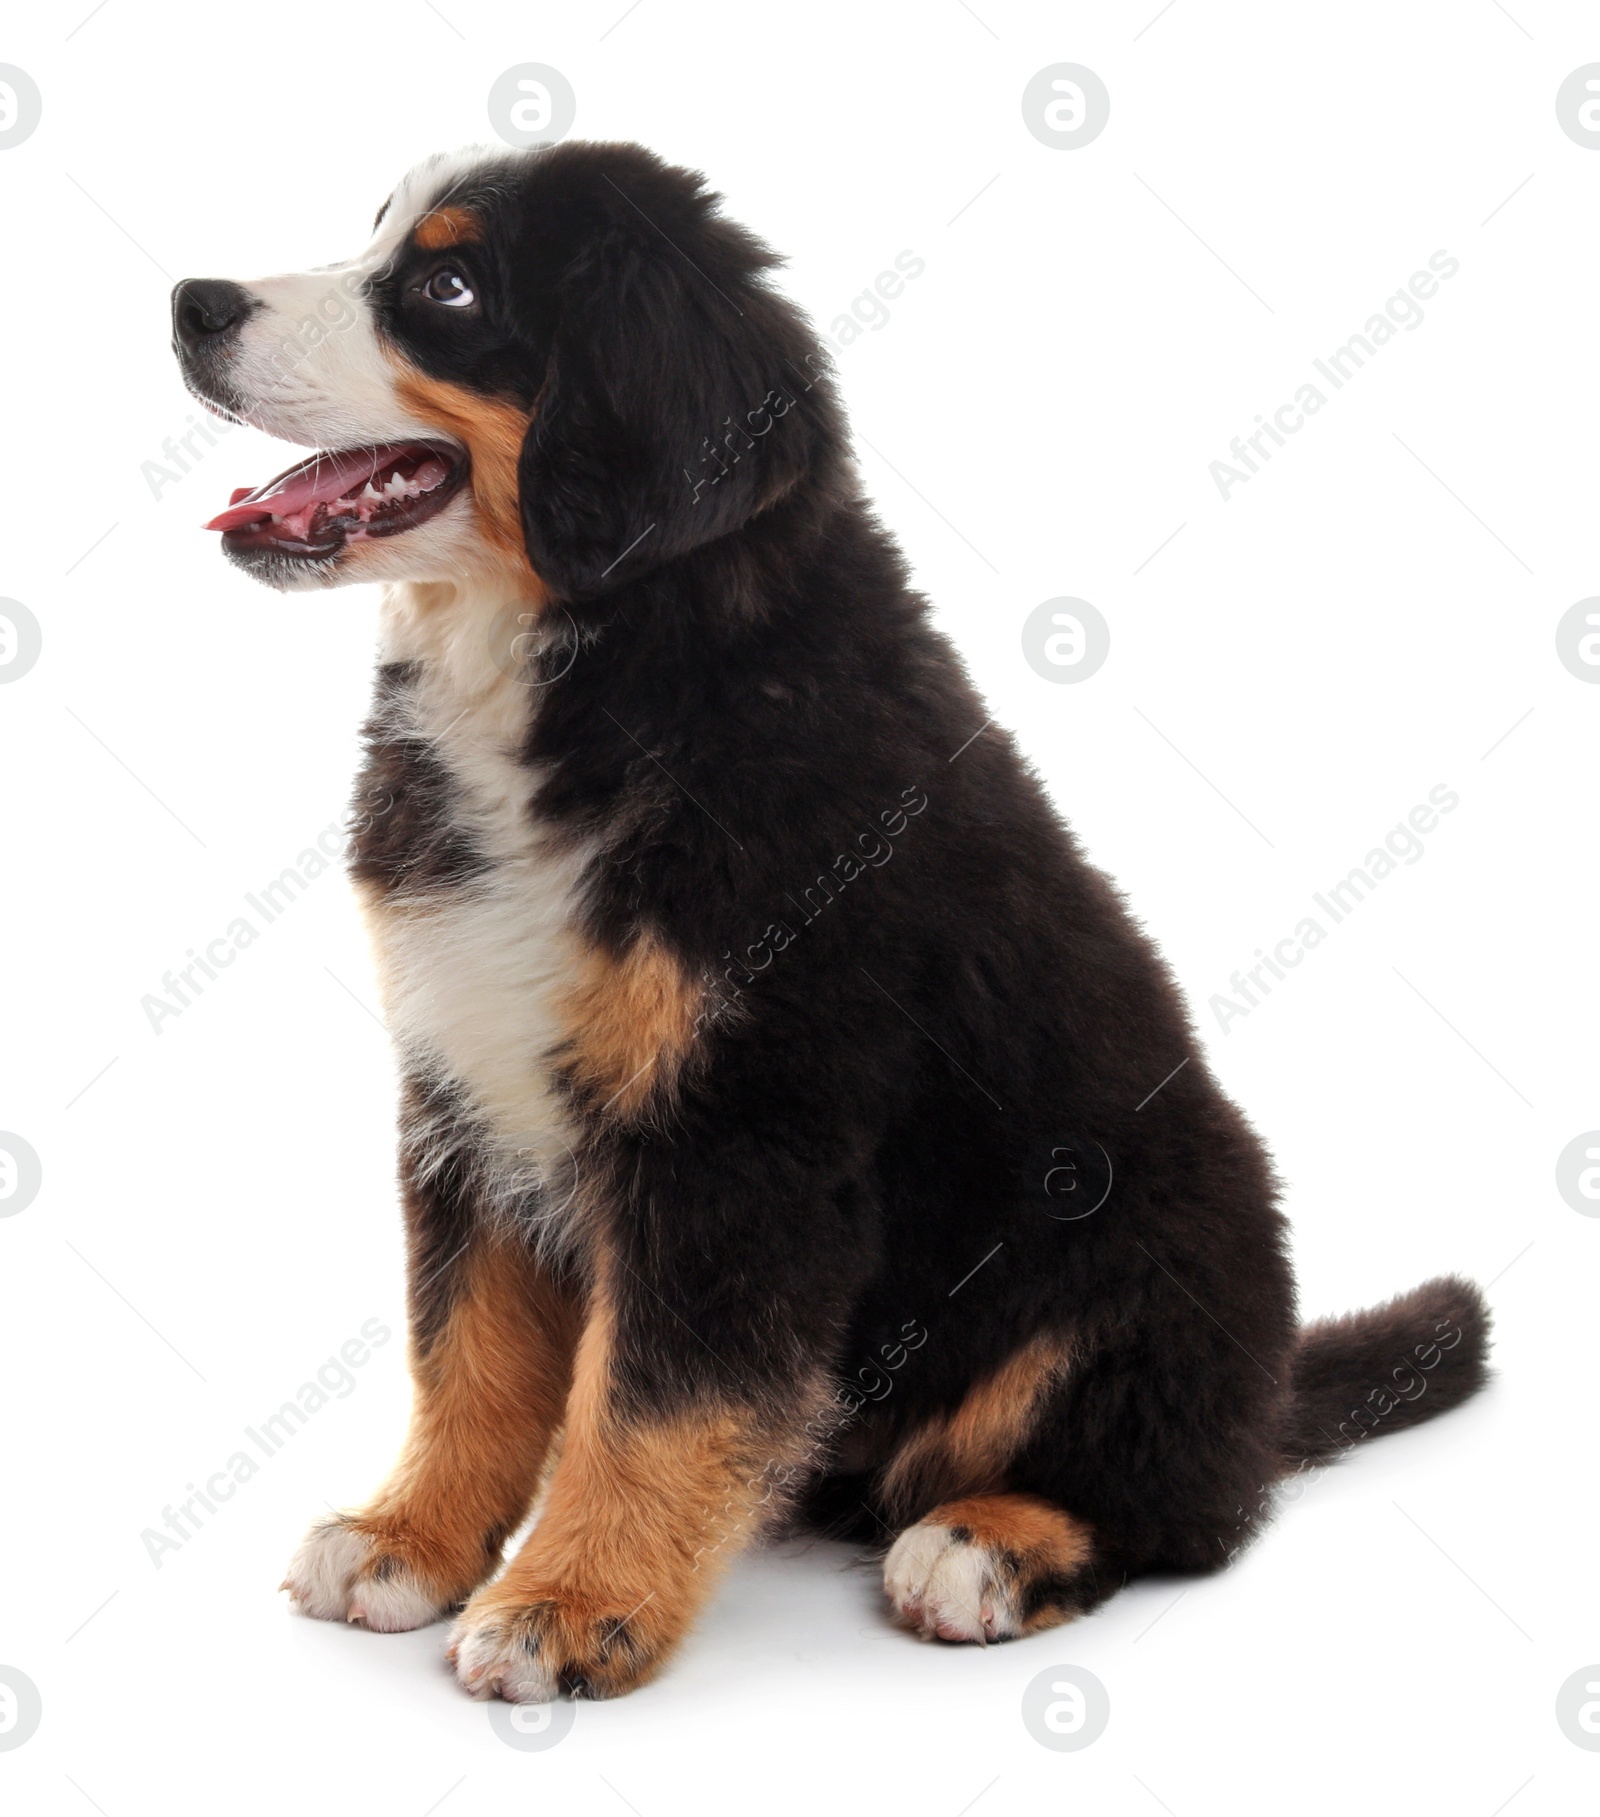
(310, 365)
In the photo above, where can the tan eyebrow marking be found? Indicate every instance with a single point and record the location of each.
(446, 227)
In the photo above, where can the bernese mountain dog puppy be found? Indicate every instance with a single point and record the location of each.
(796, 1129)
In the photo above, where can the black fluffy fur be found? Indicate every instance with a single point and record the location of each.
(920, 995)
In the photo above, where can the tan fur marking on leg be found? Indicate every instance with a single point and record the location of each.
(446, 227)
(490, 1395)
(1045, 1537)
(968, 1450)
(491, 429)
(632, 1018)
(639, 1519)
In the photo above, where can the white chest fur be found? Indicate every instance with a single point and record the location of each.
(474, 974)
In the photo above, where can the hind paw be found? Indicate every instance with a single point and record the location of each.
(989, 1567)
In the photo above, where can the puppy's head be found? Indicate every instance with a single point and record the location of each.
(563, 360)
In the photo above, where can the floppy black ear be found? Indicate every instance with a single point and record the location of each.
(676, 405)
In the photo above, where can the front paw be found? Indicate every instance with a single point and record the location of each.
(342, 1573)
(532, 1645)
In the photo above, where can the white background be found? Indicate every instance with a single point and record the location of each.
(1294, 670)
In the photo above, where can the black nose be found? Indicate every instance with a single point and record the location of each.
(204, 308)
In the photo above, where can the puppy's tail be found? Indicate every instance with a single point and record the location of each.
(1372, 1372)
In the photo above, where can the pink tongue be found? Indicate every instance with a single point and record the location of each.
(322, 479)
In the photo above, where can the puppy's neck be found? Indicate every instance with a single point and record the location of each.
(471, 635)
(470, 695)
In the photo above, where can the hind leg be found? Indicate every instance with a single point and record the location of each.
(1067, 1471)
(984, 1554)
(991, 1567)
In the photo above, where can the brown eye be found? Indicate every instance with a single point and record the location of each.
(447, 286)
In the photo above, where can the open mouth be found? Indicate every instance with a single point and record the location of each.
(348, 496)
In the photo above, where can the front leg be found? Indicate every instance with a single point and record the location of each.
(645, 1508)
(696, 1410)
(493, 1331)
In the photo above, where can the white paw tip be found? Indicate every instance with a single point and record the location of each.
(327, 1579)
(948, 1589)
(489, 1661)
